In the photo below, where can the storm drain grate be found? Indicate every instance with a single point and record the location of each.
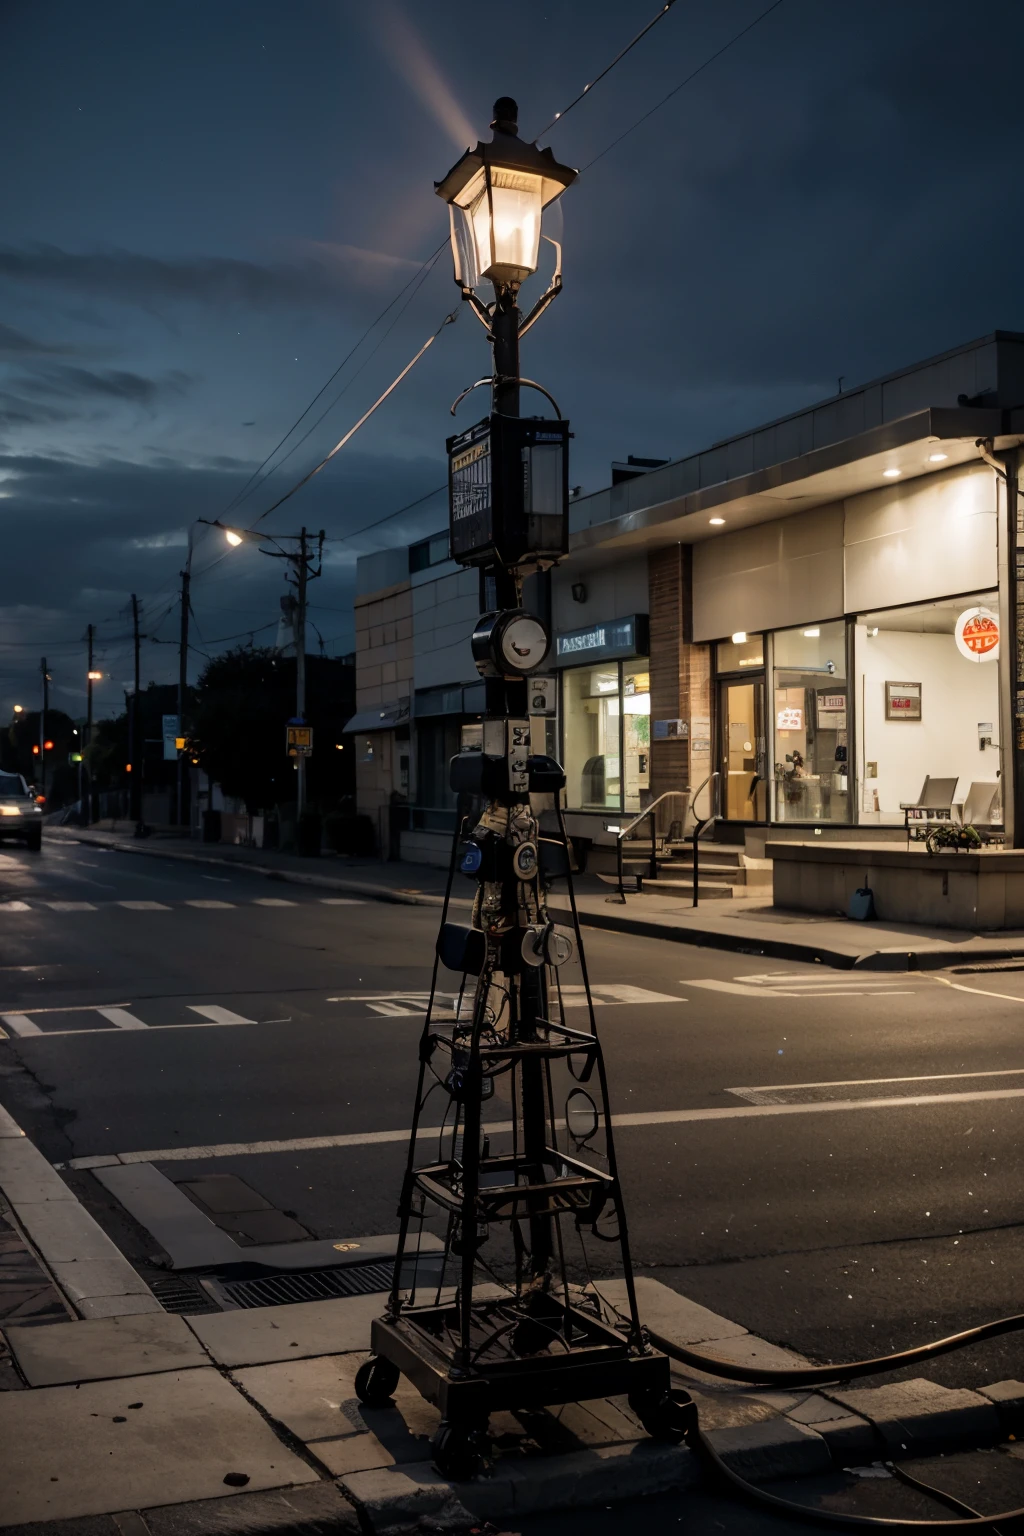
(306, 1285)
(183, 1296)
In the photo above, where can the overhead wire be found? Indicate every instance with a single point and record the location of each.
(730, 43)
(607, 69)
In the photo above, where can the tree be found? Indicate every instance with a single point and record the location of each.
(21, 752)
(243, 701)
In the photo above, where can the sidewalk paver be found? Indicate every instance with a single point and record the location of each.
(299, 1330)
(316, 1400)
(114, 1445)
(105, 1348)
(921, 1415)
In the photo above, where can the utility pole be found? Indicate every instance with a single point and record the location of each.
(301, 578)
(134, 739)
(186, 582)
(83, 772)
(42, 728)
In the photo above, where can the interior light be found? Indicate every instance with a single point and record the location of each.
(812, 634)
(937, 458)
(716, 522)
(233, 538)
(873, 632)
(740, 637)
(891, 474)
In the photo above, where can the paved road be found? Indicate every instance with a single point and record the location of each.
(832, 1159)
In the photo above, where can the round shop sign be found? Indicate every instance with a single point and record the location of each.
(977, 634)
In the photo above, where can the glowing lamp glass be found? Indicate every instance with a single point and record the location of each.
(94, 677)
(233, 538)
(496, 226)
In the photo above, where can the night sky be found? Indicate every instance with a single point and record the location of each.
(205, 203)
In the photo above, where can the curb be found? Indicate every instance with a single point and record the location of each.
(320, 1510)
(349, 887)
(85, 1265)
(892, 959)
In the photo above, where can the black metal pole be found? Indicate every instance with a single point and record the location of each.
(1015, 552)
(135, 756)
(42, 729)
(186, 581)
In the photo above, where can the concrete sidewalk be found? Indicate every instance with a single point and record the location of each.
(749, 925)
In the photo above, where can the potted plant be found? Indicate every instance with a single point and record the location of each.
(950, 838)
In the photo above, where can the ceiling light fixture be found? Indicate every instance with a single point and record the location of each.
(740, 637)
(937, 458)
(892, 474)
(812, 634)
(716, 522)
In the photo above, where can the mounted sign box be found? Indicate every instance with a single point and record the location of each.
(604, 642)
(543, 695)
(508, 492)
(670, 730)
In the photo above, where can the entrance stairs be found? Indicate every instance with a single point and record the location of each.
(725, 872)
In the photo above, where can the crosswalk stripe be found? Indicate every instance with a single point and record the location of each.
(341, 901)
(122, 1018)
(14, 906)
(20, 1023)
(144, 906)
(217, 1015)
(209, 903)
(71, 906)
(273, 901)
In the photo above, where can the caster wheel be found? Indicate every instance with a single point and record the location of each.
(668, 1417)
(459, 1452)
(376, 1381)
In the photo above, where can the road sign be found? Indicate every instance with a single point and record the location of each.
(299, 740)
(171, 727)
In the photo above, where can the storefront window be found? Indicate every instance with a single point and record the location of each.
(928, 691)
(811, 724)
(592, 716)
(636, 735)
(740, 655)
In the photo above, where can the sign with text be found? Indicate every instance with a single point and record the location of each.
(171, 731)
(299, 740)
(977, 634)
(603, 642)
(903, 701)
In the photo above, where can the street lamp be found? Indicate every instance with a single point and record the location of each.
(19, 709)
(496, 195)
(233, 537)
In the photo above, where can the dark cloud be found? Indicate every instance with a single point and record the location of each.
(128, 277)
(69, 383)
(16, 344)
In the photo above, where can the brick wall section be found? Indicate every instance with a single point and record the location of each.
(680, 670)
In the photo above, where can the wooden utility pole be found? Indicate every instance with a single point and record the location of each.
(136, 745)
(42, 728)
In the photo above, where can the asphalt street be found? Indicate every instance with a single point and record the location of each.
(830, 1158)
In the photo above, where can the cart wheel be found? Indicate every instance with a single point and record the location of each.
(459, 1451)
(668, 1416)
(376, 1381)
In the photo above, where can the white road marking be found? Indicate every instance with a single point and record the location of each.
(273, 901)
(341, 901)
(958, 986)
(122, 1018)
(496, 1128)
(70, 906)
(865, 1082)
(144, 906)
(850, 986)
(398, 1004)
(20, 1023)
(217, 1015)
(14, 906)
(208, 904)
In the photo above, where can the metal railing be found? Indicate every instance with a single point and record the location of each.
(699, 824)
(689, 797)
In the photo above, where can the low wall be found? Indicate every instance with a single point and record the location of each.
(949, 890)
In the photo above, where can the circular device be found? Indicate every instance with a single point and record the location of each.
(524, 860)
(977, 634)
(472, 859)
(509, 644)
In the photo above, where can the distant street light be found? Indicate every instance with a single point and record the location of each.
(19, 709)
(232, 537)
(94, 677)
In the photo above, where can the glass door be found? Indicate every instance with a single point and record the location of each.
(743, 760)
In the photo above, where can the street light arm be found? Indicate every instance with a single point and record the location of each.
(554, 289)
(479, 309)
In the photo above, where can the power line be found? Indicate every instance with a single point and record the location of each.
(607, 69)
(350, 354)
(677, 88)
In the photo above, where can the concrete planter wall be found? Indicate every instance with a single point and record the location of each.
(951, 890)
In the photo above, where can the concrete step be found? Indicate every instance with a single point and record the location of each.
(711, 890)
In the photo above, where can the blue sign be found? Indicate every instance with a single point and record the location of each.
(603, 642)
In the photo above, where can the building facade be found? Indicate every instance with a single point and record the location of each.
(808, 615)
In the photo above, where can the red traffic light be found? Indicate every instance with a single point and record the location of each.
(35, 749)
(48, 746)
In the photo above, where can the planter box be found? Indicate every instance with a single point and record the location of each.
(949, 890)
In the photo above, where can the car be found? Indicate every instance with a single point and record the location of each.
(21, 814)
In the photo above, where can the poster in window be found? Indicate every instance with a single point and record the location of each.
(831, 709)
(903, 701)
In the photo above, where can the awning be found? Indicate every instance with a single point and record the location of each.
(385, 719)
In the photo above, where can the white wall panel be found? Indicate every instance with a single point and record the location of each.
(924, 539)
(616, 590)
(770, 576)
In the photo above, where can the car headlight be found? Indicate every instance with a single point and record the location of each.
(9, 810)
